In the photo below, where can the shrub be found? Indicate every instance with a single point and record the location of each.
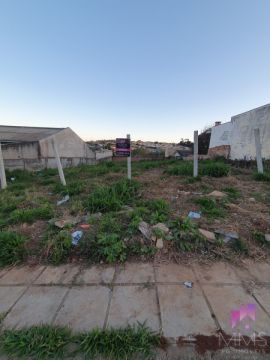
(159, 209)
(12, 247)
(214, 169)
(112, 198)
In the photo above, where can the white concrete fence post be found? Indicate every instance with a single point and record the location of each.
(2, 171)
(129, 161)
(258, 151)
(59, 165)
(195, 154)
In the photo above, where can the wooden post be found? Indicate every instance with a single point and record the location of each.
(129, 161)
(2, 171)
(195, 154)
(258, 150)
(59, 165)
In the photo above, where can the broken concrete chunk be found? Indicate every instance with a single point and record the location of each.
(267, 237)
(162, 227)
(210, 236)
(145, 229)
(68, 221)
(217, 194)
(227, 236)
(194, 214)
(64, 200)
(159, 243)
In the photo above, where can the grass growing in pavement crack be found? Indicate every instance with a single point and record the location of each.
(52, 342)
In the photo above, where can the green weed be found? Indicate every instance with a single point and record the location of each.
(116, 344)
(57, 246)
(262, 177)
(159, 210)
(211, 207)
(206, 168)
(232, 193)
(259, 237)
(37, 342)
(111, 248)
(112, 198)
(30, 215)
(12, 247)
(240, 246)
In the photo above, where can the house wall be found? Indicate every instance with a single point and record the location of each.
(243, 141)
(221, 135)
(72, 149)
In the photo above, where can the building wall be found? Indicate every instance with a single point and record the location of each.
(221, 135)
(243, 141)
(69, 145)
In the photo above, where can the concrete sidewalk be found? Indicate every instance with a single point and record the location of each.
(104, 296)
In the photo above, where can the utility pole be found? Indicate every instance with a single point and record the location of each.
(195, 154)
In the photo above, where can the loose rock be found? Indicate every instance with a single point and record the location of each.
(267, 237)
(145, 229)
(159, 243)
(217, 194)
(162, 227)
(210, 236)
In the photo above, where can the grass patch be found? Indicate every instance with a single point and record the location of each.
(121, 343)
(111, 248)
(12, 247)
(186, 236)
(262, 177)
(38, 342)
(232, 192)
(30, 215)
(206, 168)
(57, 246)
(159, 210)
(211, 207)
(259, 237)
(112, 198)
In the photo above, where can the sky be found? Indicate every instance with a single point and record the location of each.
(157, 69)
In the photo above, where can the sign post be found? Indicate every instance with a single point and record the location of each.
(58, 161)
(195, 154)
(123, 149)
(258, 151)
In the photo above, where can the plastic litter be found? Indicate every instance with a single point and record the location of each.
(12, 179)
(194, 214)
(188, 284)
(227, 236)
(65, 199)
(76, 237)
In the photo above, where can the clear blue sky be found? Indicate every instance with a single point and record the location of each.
(157, 69)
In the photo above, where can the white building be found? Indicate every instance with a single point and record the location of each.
(235, 139)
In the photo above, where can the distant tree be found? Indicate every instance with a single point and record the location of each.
(186, 142)
(204, 140)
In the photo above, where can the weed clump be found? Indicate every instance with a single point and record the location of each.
(57, 246)
(12, 247)
(30, 215)
(112, 198)
(211, 207)
(262, 177)
(207, 168)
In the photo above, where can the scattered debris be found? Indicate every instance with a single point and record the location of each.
(227, 236)
(85, 226)
(76, 236)
(194, 214)
(185, 193)
(64, 200)
(210, 236)
(251, 200)
(12, 178)
(95, 216)
(217, 194)
(162, 227)
(188, 284)
(85, 218)
(159, 243)
(145, 229)
(267, 237)
(69, 221)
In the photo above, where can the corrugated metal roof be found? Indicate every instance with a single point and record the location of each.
(17, 134)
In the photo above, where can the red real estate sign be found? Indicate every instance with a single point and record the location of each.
(122, 147)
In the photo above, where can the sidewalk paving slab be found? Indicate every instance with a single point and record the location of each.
(174, 273)
(263, 296)
(261, 271)
(21, 275)
(8, 296)
(38, 305)
(135, 273)
(224, 299)
(184, 311)
(217, 273)
(132, 304)
(63, 274)
(96, 274)
(84, 308)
